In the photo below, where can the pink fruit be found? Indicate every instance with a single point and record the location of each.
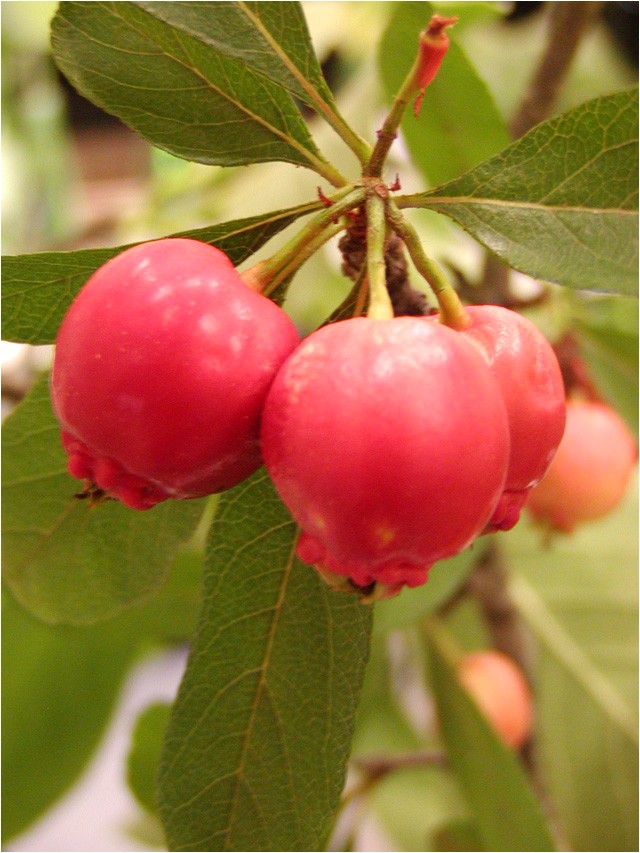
(501, 693)
(591, 470)
(388, 442)
(161, 368)
(526, 369)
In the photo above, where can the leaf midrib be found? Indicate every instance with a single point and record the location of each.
(436, 201)
(260, 689)
(315, 97)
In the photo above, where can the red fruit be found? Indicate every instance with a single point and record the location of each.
(526, 369)
(591, 470)
(388, 442)
(501, 693)
(161, 369)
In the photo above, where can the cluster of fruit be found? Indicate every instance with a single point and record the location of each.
(394, 443)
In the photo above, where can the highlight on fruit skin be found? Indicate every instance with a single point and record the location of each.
(388, 442)
(160, 372)
(500, 690)
(591, 470)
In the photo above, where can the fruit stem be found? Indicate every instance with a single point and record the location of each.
(432, 46)
(380, 307)
(266, 275)
(452, 312)
(303, 254)
(388, 131)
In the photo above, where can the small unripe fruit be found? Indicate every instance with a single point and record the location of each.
(161, 368)
(388, 442)
(591, 470)
(527, 372)
(501, 693)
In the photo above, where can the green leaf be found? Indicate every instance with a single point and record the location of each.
(459, 125)
(59, 688)
(409, 803)
(272, 38)
(66, 561)
(38, 288)
(506, 812)
(172, 615)
(560, 203)
(175, 89)
(580, 599)
(607, 331)
(260, 734)
(143, 760)
(414, 604)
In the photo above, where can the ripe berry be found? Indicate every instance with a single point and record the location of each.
(591, 470)
(501, 693)
(526, 369)
(388, 442)
(161, 369)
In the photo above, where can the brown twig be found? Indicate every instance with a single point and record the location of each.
(376, 767)
(567, 24)
(379, 765)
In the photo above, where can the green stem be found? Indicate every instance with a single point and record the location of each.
(267, 274)
(309, 248)
(380, 307)
(452, 311)
(389, 130)
(327, 171)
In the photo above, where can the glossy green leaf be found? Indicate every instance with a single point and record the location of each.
(505, 809)
(260, 734)
(580, 599)
(459, 125)
(143, 760)
(414, 604)
(59, 685)
(560, 203)
(38, 289)
(174, 89)
(64, 560)
(272, 38)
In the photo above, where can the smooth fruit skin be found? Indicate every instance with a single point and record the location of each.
(591, 470)
(161, 368)
(526, 369)
(388, 442)
(501, 693)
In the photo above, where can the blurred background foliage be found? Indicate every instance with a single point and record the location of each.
(74, 177)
